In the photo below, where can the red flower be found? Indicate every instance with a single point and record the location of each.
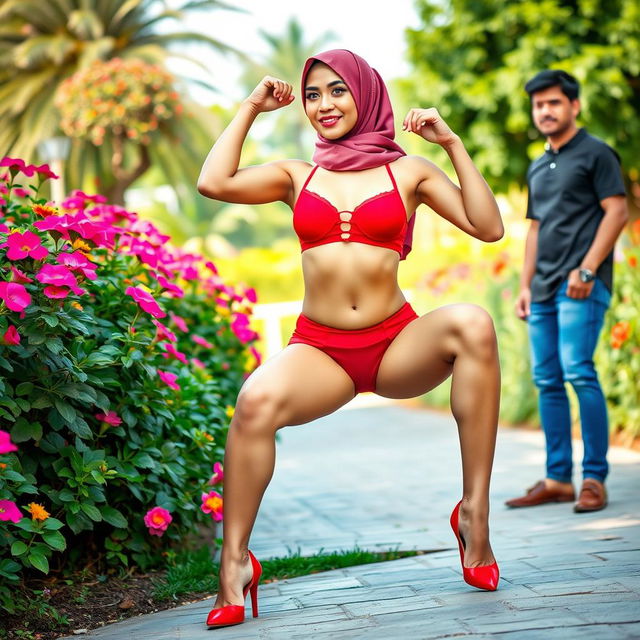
(11, 336)
(620, 333)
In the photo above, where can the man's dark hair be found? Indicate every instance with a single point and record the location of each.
(554, 78)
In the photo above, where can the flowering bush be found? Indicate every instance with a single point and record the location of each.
(123, 97)
(618, 355)
(120, 358)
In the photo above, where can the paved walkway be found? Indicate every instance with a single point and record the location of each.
(388, 477)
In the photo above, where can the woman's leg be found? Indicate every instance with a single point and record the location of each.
(459, 340)
(298, 385)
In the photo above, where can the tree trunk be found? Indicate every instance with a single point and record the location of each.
(124, 178)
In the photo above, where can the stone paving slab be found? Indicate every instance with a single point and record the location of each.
(389, 476)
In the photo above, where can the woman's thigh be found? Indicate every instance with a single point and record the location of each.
(422, 354)
(299, 384)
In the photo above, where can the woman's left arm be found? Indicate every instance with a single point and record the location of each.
(471, 207)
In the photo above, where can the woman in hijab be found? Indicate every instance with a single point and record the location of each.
(353, 213)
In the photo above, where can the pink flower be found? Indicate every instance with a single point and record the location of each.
(198, 363)
(218, 474)
(251, 295)
(170, 287)
(20, 276)
(6, 446)
(54, 292)
(164, 333)
(172, 351)
(16, 164)
(240, 326)
(202, 342)
(212, 503)
(169, 379)
(45, 172)
(77, 261)
(3, 227)
(111, 417)
(212, 267)
(146, 301)
(9, 511)
(157, 520)
(15, 296)
(256, 354)
(11, 336)
(60, 276)
(27, 244)
(179, 322)
(20, 192)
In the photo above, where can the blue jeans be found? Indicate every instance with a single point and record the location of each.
(563, 333)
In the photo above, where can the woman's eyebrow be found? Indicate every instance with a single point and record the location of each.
(331, 84)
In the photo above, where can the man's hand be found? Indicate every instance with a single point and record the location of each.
(576, 288)
(523, 304)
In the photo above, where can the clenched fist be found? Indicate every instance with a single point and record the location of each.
(271, 94)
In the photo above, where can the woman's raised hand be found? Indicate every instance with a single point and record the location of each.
(428, 123)
(271, 94)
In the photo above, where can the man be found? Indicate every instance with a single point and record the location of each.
(577, 209)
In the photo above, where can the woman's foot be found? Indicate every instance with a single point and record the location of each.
(235, 573)
(473, 523)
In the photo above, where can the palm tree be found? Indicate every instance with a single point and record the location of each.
(43, 42)
(285, 60)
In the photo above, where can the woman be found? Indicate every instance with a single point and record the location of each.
(353, 215)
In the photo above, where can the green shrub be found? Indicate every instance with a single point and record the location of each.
(120, 360)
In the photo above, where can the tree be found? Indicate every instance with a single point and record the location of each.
(472, 60)
(44, 43)
(287, 55)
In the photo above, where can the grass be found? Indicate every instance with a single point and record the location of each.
(194, 572)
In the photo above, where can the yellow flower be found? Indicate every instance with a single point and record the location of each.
(77, 305)
(38, 512)
(81, 245)
(230, 411)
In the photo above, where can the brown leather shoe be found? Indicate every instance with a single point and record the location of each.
(593, 496)
(540, 494)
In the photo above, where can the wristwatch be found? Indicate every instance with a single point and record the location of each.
(586, 275)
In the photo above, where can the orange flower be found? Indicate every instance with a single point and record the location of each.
(3, 465)
(44, 210)
(77, 305)
(633, 261)
(37, 511)
(620, 332)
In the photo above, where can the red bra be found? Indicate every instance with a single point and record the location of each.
(380, 220)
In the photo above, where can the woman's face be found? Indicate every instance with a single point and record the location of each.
(329, 104)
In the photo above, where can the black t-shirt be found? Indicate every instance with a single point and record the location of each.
(565, 190)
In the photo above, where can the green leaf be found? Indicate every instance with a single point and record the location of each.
(55, 540)
(52, 524)
(92, 511)
(52, 321)
(66, 496)
(81, 428)
(65, 410)
(41, 402)
(10, 474)
(39, 561)
(113, 517)
(18, 548)
(24, 388)
(24, 430)
(143, 460)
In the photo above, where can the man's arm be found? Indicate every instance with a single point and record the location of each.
(523, 303)
(613, 222)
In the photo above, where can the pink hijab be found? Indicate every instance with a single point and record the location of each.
(370, 143)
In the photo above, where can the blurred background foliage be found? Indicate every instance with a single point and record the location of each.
(469, 59)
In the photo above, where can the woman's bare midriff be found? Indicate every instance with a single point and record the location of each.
(350, 285)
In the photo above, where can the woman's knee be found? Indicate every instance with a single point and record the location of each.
(257, 410)
(475, 329)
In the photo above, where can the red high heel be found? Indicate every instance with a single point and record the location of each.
(479, 577)
(234, 613)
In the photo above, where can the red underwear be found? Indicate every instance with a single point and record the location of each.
(358, 351)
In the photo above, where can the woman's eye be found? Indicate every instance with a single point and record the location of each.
(339, 90)
(312, 96)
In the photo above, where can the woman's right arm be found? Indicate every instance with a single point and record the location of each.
(220, 177)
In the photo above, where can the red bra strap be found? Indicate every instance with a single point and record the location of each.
(393, 180)
(306, 182)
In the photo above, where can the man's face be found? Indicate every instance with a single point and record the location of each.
(553, 113)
